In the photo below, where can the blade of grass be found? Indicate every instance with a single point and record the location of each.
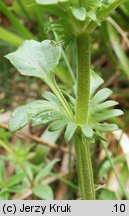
(40, 23)
(115, 171)
(21, 5)
(23, 31)
(119, 29)
(114, 38)
(10, 37)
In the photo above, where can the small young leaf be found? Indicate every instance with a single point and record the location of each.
(79, 13)
(70, 130)
(45, 171)
(96, 81)
(36, 59)
(87, 130)
(43, 192)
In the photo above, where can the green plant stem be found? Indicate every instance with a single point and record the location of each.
(115, 171)
(101, 14)
(84, 167)
(83, 79)
(54, 87)
(82, 145)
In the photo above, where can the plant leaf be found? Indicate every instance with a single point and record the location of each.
(95, 81)
(70, 130)
(37, 59)
(14, 180)
(57, 125)
(101, 96)
(28, 113)
(79, 13)
(99, 117)
(45, 171)
(4, 195)
(45, 118)
(87, 130)
(49, 96)
(106, 127)
(102, 106)
(19, 119)
(18, 188)
(98, 136)
(43, 192)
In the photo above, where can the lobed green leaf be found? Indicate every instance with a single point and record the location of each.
(38, 112)
(37, 59)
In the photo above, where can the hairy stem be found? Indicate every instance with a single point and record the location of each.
(82, 145)
(83, 79)
(84, 167)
